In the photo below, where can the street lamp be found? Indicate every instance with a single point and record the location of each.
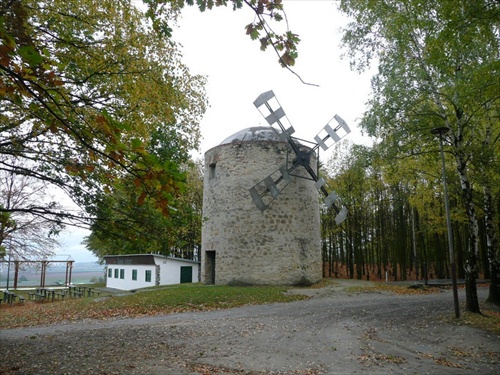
(441, 131)
(8, 273)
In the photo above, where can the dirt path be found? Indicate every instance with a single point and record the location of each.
(332, 333)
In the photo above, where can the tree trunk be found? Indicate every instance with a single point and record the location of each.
(494, 292)
(414, 263)
(471, 264)
(492, 246)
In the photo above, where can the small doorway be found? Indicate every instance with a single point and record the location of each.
(210, 267)
(186, 274)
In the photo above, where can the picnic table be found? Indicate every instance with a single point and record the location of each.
(74, 291)
(38, 295)
(50, 294)
(85, 291)
(45, 294)
(10, 297)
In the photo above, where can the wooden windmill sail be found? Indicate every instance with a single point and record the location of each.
(302, 156)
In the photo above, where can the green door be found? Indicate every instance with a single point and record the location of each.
(186, 274)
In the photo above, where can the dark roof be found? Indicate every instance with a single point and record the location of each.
(255, 133)
(140, 259)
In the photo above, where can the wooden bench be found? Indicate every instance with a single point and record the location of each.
(61, 294)
(75, 293)
(9, 297)
(39, 296)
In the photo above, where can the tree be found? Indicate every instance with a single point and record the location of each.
(438, 66)
(396, 225)
(489, 157)
(126, 226)
(284, 43)
(25, 233)
(83, 85)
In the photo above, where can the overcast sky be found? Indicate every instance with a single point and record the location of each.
(215, 45)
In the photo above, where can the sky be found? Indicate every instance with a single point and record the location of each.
(215, 45)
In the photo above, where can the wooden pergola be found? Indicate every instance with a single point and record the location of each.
(43, 273)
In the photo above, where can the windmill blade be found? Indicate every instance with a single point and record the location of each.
(341, 216)
(267, 190)
(328, 136)
(332, 201)
(264, 192)
(271, 110)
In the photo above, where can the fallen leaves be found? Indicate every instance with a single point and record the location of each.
(380, 359)
(206, 369)
(445, 362)
(149, 302)
(395, 289)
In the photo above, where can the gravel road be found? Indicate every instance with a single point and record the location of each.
(334, 332)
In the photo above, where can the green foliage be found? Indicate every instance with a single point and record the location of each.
(7, 224)
(396, 220)
(285, 44)
(131, 228)
(83, 87)
(437, 61)
(438, 67)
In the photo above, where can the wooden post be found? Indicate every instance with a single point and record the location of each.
(16, 273)
(67, 274)
(69, 266)
(43, 273)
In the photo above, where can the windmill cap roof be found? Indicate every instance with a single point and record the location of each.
(255, 133)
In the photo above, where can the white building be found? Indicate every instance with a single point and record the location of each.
(128, 272)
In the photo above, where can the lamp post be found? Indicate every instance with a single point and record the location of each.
(441, 131)
(8, 273)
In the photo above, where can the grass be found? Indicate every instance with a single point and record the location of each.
(488, 320)
(391, 288)
(151, 301)
(193, 297)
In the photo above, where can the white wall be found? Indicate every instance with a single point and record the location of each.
(170, 274)
(170, 270)
(127, 283)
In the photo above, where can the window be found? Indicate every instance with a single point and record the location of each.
(134, 274)
(110, 272)
(148, 276)
(122, 274)
(211, 171)
(116, 273)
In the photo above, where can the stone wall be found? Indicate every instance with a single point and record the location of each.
(278, 246)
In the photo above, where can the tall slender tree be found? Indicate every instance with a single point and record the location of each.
(434, 58)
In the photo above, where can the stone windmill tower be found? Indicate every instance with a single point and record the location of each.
(246, 240)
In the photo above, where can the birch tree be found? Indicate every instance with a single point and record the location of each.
(438, 66)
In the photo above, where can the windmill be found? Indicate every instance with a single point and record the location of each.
(303, 154)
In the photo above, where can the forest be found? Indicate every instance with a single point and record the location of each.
(396, 226)
(438, 70)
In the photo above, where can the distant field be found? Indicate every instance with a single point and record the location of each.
(81, 274)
